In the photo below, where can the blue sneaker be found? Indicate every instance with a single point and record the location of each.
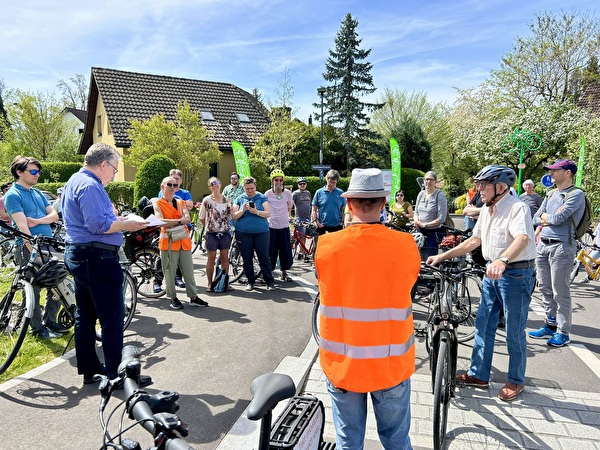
(558, 340)
(542, 333)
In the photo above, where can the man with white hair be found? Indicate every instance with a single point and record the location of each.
(531, 198)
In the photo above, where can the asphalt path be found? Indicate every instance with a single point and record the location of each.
(208, 355)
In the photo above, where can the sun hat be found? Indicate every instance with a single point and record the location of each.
(565, 164)
(366, 183)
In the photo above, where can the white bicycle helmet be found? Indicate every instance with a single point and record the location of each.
(419, 239)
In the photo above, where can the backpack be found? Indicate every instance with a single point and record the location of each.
(586, 218)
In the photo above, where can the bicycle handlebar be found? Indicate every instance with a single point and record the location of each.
(40, 238)
(154, 413)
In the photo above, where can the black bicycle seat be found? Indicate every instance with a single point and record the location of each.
(268, 390)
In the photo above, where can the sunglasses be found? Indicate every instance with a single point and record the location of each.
(215, 183)
(300, 184)
(279, 180)
(34, 171)
(173, 185)
(399, 195)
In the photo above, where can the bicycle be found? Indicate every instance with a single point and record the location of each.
(157, 413)
(198, 237)
(140, 248)
(303, 242)
(7, 251)
(442, 345)
(236, 263)
(17, 305)
(585, 259)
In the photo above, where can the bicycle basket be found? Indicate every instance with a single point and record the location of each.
(50, 274)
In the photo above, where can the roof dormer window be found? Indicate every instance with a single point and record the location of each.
(242, 117)
(207, 116)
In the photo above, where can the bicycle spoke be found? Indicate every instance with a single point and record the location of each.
(13, 326)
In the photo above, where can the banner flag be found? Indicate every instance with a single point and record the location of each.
(242, 166)
(396, 169)
(579, 176)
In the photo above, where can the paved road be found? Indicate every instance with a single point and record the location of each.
(208, 355)
(211, 355)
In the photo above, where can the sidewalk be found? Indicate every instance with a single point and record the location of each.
(541, 419)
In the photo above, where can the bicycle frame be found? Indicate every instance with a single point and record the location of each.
(584, 257)
(301, 238)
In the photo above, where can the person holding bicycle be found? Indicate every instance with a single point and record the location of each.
(505, 233)
(302, 199)
(367, 344)
(94, 235)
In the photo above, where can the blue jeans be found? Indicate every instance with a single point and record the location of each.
(392, 414)
(259, 243)
(99, 295)
(512, 292)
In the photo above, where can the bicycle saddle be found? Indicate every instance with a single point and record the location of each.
(268, 390)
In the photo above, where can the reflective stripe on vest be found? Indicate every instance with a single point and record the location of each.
(367, 352)
(365, 315)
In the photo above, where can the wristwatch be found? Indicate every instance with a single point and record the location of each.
(504, 259)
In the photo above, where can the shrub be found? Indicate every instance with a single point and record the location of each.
(150, 175)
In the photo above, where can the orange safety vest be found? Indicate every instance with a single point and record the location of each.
(366, 273)
(169, 212)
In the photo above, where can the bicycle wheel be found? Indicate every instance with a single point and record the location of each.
(315, 319)
(295, 248)
(7, 256)
(465, 306)
(129, 300)
(145, 269)
(198, 238)
(442, 391)
(574, 271)
(236, 263)
(14, 323)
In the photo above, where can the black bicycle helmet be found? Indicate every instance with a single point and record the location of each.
(50, 274)
(497, 174)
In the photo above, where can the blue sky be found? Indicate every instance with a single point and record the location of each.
(428, 45)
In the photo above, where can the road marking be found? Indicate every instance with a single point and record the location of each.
(588, 357)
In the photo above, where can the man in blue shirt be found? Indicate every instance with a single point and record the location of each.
(94, 235)
(32, 214)
(328, 205)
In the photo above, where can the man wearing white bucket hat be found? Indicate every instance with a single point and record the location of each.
(367, 335)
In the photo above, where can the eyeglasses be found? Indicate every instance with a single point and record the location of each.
(114, 168)
(482, 184)
(173, 185)
(34, 172)
(215, 183)
(234, 178)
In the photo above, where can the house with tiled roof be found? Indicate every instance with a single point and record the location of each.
(115, 97)
(590, 99)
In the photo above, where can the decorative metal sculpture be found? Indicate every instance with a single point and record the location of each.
(521, 141)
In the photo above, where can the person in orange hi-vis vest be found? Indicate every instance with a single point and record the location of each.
(367, 334)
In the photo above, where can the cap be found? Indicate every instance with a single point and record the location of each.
(565, 164)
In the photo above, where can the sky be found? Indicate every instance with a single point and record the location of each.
(430, 46)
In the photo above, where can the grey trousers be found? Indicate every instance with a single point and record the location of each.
(554, 263)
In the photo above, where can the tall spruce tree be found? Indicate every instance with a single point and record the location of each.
(347, 69)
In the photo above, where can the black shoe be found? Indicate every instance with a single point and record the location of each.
(95, 378)
(57, 328)
(179, 282)
(144, 381)
(197, 301)
(176, 304)
(45, 333)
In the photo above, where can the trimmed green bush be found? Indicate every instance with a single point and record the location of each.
(150, 175)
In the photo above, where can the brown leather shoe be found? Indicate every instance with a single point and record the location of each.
(467, 380)
(510, 391)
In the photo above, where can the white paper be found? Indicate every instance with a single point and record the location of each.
(152, 220)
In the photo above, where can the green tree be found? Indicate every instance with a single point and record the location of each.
(351, 76)
(149, 176)
(186, 141)
(37, 128)
(542, 67)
